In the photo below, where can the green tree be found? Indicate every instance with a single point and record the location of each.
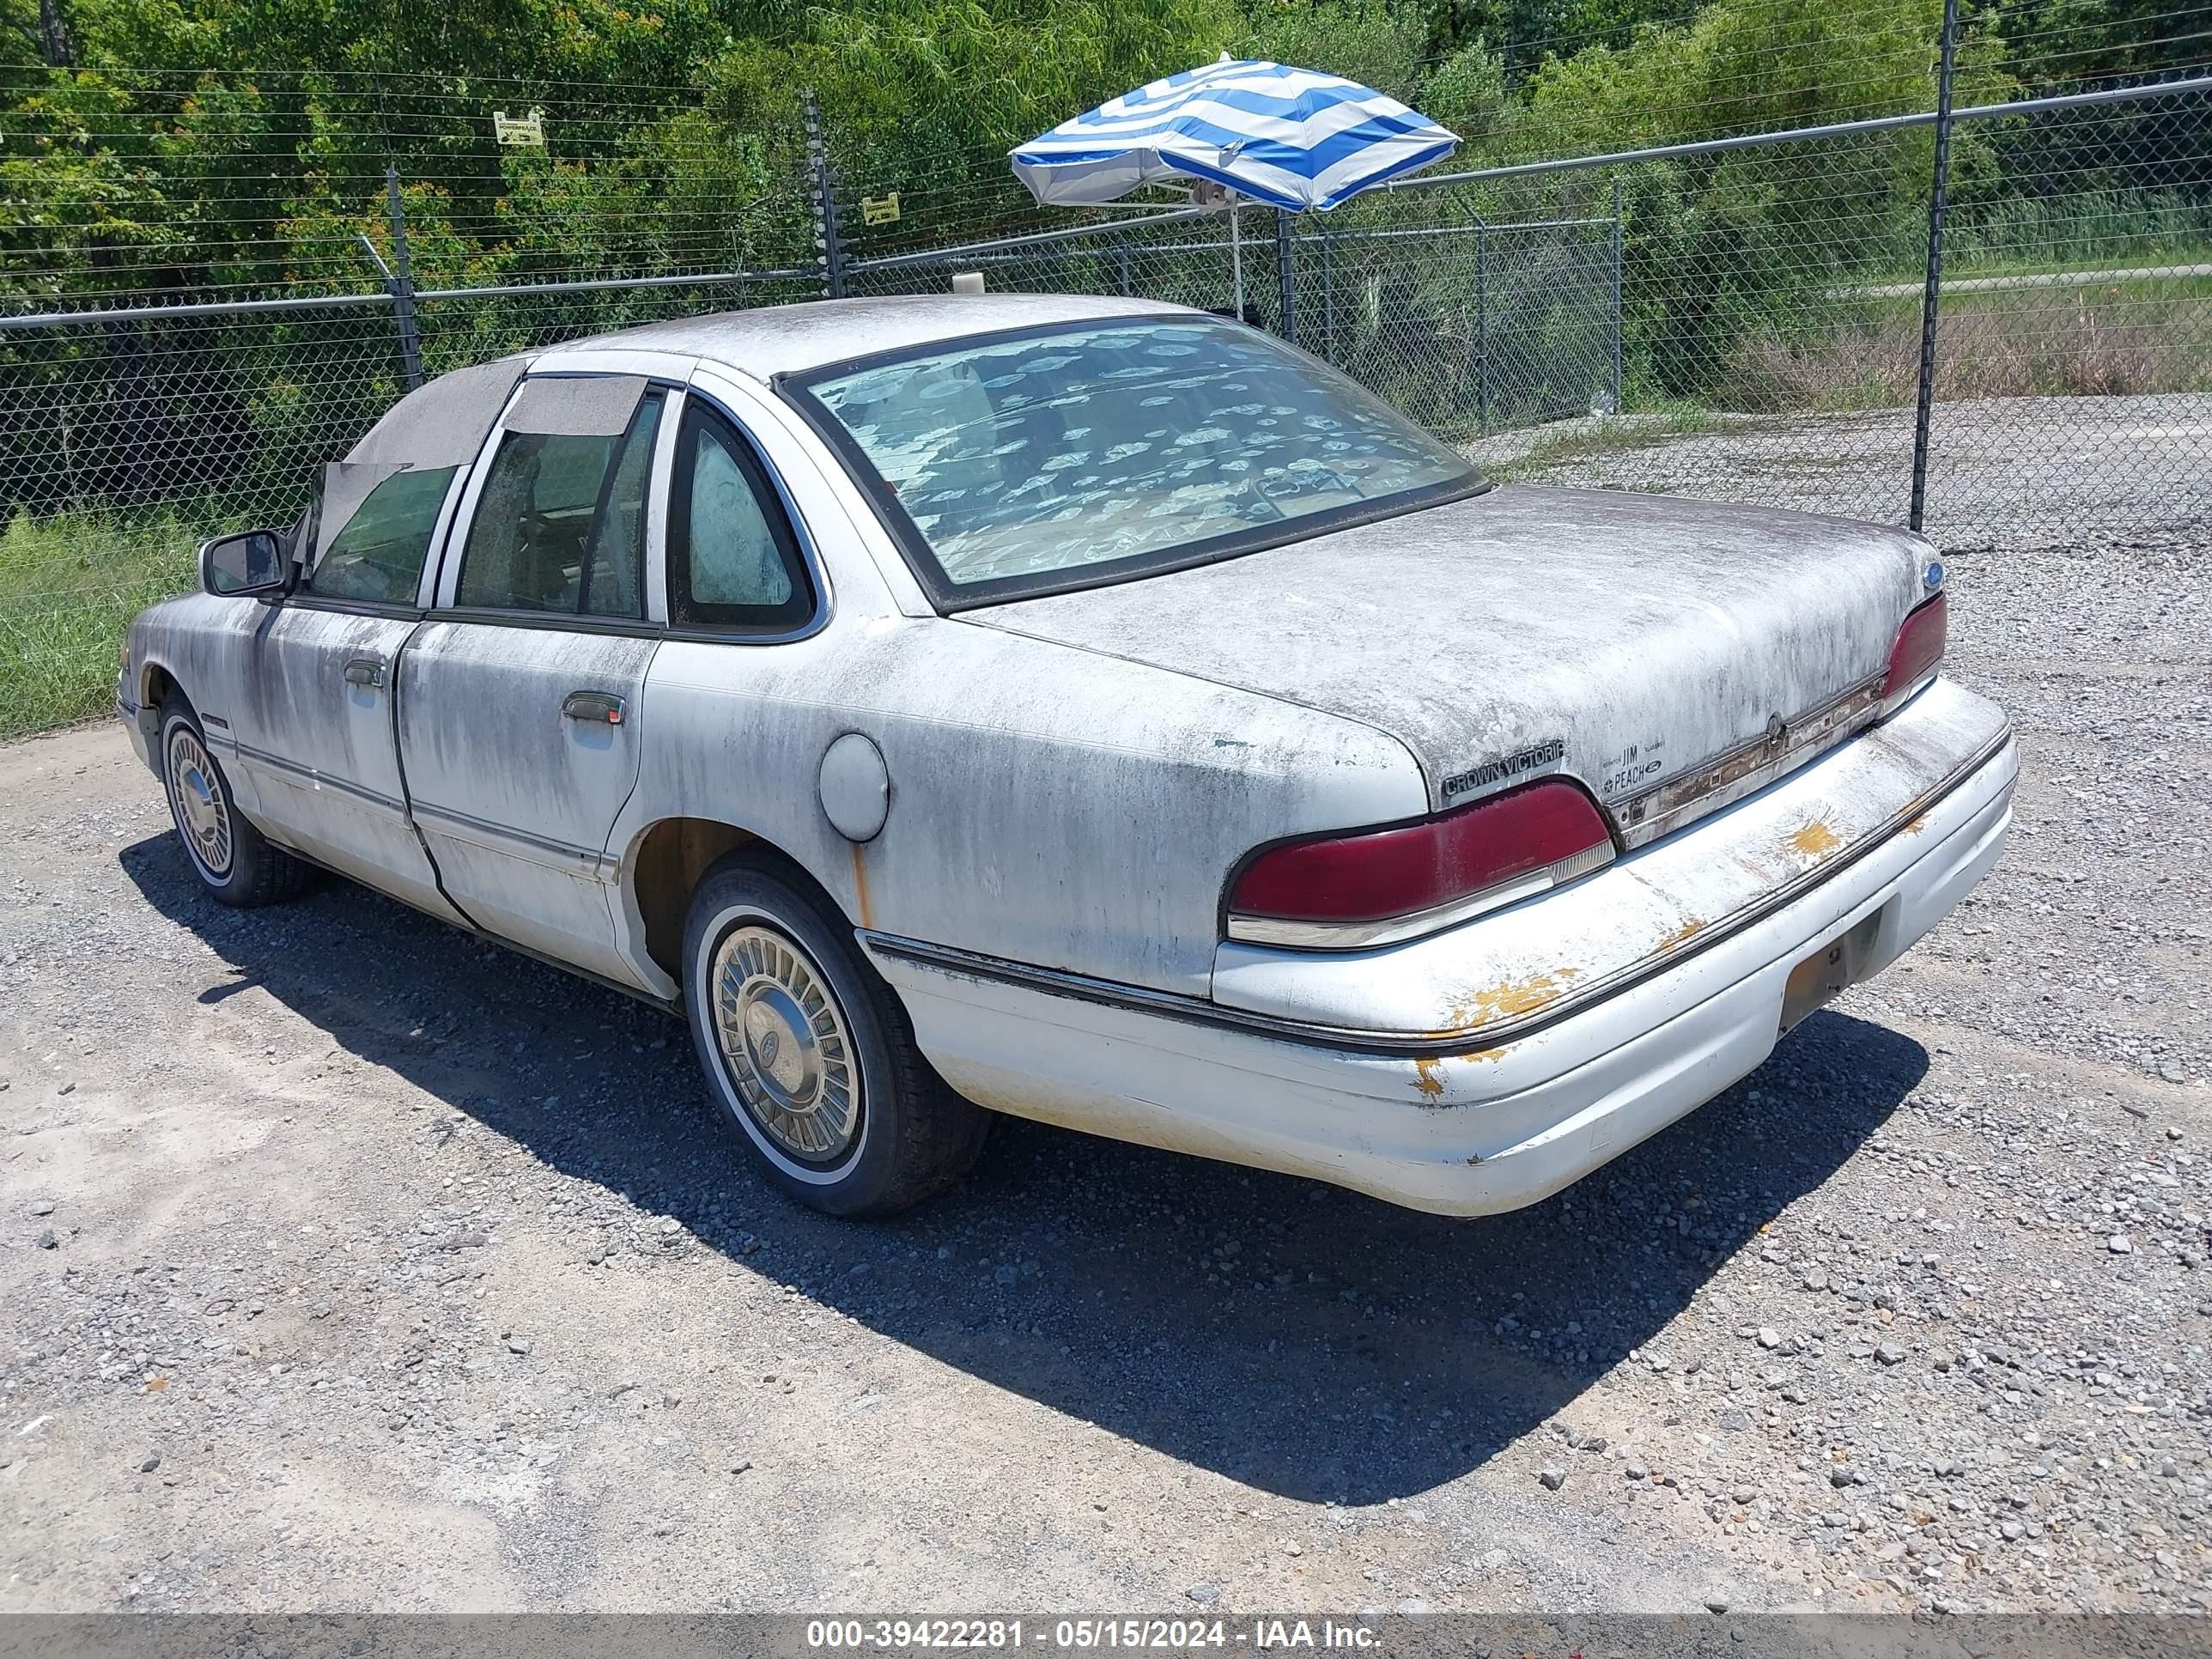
(1382, 44)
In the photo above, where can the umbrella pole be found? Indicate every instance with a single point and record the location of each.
(1236, 256)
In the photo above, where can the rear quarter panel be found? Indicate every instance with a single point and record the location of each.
(1048, 805)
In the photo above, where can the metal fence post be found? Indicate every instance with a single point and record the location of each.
(1931, 292)
(1327, 297)
(822, 184)
(1616, 294)
(403, 282)
(1482, 328)
(1121, 262)
(1286, 275)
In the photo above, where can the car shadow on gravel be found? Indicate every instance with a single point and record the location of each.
(1299, 1338)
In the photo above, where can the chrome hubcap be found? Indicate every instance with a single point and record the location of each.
(784, 1036)
(202, 814)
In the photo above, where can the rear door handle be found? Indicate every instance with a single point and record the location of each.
(365, 671)
(598, 707)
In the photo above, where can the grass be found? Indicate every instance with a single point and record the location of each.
(68, 586)
(2077, 230)
(2107, 339)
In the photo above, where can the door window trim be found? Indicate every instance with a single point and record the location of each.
(426, 581)
(443, 571)
(656, 504)
(802, 540)
(442, 605)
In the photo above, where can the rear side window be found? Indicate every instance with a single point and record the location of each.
(560, 525)
(733, 560)
(377, 557)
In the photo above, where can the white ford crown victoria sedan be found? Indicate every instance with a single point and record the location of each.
(1088, 710)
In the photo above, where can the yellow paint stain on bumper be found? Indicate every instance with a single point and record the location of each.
(1511, 999)
(1816, 839)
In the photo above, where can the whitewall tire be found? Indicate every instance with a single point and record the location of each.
(808, 1055)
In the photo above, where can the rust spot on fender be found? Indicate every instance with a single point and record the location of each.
(860, 885)
(1682, 935)
(1916, 825)
(1816, 839)
(1510, 999)
(1426, 1077)
(1493, 1055)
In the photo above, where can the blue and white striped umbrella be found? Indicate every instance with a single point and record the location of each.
(1290, 137)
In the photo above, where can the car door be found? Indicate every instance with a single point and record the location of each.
(520, 710)
(313, 719)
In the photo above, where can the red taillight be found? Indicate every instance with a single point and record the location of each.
(1917, 653)
(1360, 888)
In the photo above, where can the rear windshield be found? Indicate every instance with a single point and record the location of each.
(1060, 458)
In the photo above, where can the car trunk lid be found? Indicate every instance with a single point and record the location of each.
(1672, 654)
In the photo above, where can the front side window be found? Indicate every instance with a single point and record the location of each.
(733, 560)
(1058, 458)
(560, 524)
(377, 555)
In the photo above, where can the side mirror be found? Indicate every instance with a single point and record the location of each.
(252, 561)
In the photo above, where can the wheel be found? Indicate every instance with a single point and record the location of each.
(808, 1054)
(234, 861)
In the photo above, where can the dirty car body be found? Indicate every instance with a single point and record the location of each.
(1192, 752)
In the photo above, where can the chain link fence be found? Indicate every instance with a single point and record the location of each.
(2064, 350)
(127, 438)
(1749, 315)
(211, 283)
(1469, 328)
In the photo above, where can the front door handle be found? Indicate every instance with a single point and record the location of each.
(598, 707)
(365, 671)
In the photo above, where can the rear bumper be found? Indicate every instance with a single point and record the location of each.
(1483, 1121)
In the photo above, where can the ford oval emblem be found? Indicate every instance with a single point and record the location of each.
(1933, 577)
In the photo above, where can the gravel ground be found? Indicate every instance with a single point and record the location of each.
(347, 1264)
(2001, 472)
